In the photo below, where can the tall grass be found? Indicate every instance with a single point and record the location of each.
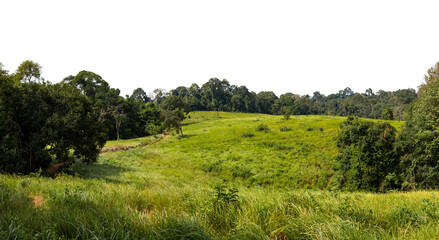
(163, 191)
(83, 208)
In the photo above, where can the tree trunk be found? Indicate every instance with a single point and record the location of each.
(117, 134)
(181, 131)
(32, 162)
(117, 130)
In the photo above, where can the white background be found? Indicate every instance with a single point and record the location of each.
(280, 46)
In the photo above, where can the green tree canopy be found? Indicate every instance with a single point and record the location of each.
(40, 121)
(366, 159)
(28, 71)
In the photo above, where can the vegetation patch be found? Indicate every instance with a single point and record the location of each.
(247, 135)
(285, 129)
(262, 128)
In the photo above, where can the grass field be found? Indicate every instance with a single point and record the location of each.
(232, 176)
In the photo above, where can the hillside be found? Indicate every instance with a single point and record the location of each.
(175, 189)
(298, 153)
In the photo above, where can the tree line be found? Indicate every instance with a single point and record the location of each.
(220, 95)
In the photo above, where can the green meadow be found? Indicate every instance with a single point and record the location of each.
(230, 176)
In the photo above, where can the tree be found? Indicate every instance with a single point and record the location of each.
(286, 100)
(139, 94)
(173, 119)
(103, 97)
(317, 97)
(366, 160)
(216, 95)
(150, 116)
(40, 121)
(387, 114)
(369, 92)
(159, 95)
(173, 102)
(173, 113)
(118, 115)
(427, 106)
(265, 101)
(28, 71)
(419, 140)
(2, 70)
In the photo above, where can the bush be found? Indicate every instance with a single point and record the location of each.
(285, 129)
(262, 127)
(366, 155)
(247, 135)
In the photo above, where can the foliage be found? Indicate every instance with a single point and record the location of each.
(28, 71)
(126, 118)
(220, 95)
(173, 119)
(287, 113)
(419, 140)
(366, 159)
(285, 129)
(262, 127)
(173, 113)
(247, 135)
(387, 114)
(41, 120)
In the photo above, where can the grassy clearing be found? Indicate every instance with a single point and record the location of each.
(261, 150)
(164, 191)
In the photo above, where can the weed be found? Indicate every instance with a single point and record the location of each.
(285, 129)
(262, 127)
(247, 135)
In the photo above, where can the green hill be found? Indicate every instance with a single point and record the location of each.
(232, 176)
(298, 153)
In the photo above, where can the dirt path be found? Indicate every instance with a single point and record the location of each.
(54, 168)
(164, 138)
(126, 148)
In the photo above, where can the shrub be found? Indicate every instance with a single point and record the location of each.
(285, 129)
(287, 113)
(366, 155)
(247, 135)
(262, 127)
(242, 171)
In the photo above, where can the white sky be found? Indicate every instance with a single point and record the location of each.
(280, 46)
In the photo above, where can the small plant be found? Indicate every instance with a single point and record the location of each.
(310, 129)
(226, 195)
(287, 113)
(262, 127)
(247, 135)
(285, 129)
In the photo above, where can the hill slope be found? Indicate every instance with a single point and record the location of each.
(167, 189)
(298, 153)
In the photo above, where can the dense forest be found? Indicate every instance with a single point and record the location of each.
(220, 95)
